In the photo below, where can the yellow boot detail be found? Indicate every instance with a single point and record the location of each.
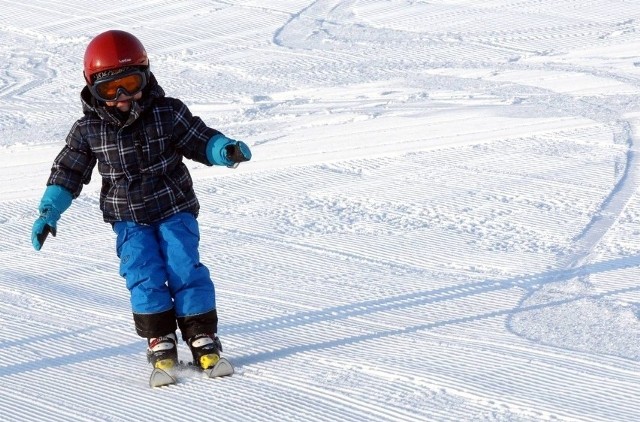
(165, 364)
(209, 361)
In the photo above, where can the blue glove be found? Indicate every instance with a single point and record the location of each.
(55, 201)
(223, 151)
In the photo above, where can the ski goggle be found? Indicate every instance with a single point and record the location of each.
(128, 83)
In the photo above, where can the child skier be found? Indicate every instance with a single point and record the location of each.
(138, 137)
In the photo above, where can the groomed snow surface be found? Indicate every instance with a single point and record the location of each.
(441, 221)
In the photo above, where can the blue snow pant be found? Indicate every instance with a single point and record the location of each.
(169, 285)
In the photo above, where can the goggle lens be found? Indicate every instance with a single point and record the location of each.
(110, 89)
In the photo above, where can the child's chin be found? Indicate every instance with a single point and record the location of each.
(123, 105)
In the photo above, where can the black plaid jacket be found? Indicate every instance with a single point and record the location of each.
(140, 160)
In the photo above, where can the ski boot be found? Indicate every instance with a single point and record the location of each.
(162, 352)
(205, 349)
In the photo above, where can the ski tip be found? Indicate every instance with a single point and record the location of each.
(160, 378)
(221, 369)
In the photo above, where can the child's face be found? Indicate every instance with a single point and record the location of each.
(123, 102)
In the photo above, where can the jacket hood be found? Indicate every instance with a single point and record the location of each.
(90, 105)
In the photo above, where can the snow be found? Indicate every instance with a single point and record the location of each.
(441, 221)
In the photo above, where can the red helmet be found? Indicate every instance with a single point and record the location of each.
(112, 50)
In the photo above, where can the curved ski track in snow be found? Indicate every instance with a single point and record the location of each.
(441, 221)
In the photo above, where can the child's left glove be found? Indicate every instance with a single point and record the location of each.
(228, 152)
(238, 152)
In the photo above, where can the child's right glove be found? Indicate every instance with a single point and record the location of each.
(223, 151)
(55, 201)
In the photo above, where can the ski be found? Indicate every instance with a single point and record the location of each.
(222, 368)
(160, 378)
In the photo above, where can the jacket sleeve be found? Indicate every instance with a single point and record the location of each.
(74, 164)
(191, 134)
